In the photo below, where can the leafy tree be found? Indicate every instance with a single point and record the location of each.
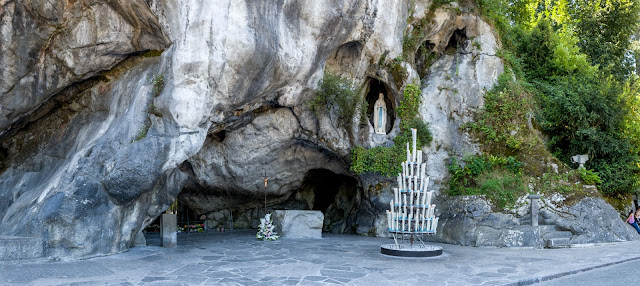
(605, 28)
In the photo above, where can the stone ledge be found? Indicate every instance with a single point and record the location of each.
(562, 242)
(18, 248)
(298, 223)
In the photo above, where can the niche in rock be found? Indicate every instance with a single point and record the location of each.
(343, 59)
(425, 56)
(374, 88)
(457, 42)
(188, 221)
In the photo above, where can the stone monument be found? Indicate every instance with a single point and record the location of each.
(412, 215)
(580, 159)
(380, 115)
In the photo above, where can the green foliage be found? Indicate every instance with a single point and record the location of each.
(398, 72)
(337, 95)
(571, 58)
(386, 160)
(158, 84)
(589, 177)
(585, 116)
(552, 182)
(604, 29)
(496, 177)
(383, 160)
(501, 123)
(408, 113)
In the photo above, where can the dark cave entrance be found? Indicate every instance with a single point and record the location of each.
(457, 42)
(335, 195)
(201, 209)
(374, 88)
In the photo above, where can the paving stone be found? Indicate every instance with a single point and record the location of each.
(315, 278)
(151, 279)
(338, 259)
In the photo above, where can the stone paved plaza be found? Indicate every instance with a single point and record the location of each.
(237, 258)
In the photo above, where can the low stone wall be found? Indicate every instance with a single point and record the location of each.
(18, 248)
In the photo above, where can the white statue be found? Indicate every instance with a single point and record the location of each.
(380, 115)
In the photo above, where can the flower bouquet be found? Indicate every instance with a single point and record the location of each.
(266, 229)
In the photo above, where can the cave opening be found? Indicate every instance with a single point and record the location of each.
(425, 57)
(342, 59)
(457, 42)
(374, 88)
(201, 209)
(335, 195)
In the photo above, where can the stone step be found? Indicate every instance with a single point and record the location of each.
(546, 228)
(561, 242)
(556, 234)
(18, 248)
(526, 220)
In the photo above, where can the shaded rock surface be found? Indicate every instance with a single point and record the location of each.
(48, 45)
(470, 221)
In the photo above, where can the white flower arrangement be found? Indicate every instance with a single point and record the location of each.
(266, 229)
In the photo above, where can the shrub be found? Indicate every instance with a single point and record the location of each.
(338, 95)
(498, 178)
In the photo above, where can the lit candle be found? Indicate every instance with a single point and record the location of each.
(413, 134)
(408, 154)
(428, 225)
(395, 196)
(434, 226)
(429, 194)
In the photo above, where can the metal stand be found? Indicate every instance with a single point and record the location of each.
(412, 215)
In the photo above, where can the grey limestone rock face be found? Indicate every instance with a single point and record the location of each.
(106, 158)
(592, 220)
(97, 139)
(470, 221)
(47, 46)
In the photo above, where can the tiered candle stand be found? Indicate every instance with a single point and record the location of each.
(411, 216)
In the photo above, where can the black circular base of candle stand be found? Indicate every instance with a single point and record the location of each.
(411, 251)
